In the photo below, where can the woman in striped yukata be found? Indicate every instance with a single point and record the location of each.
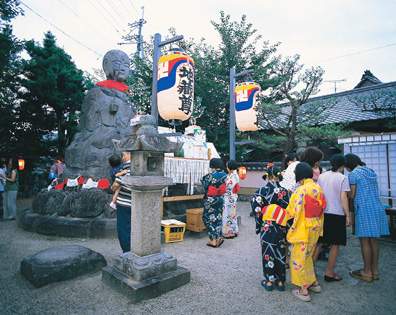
(268, 204)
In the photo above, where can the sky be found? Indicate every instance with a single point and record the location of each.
(344, 37)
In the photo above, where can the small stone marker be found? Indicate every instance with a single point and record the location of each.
(60, 263)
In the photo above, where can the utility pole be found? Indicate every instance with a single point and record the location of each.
(335, 83)
(136, 38)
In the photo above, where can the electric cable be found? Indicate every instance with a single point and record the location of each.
(77, 41)
(359, 52)
(116, 11)
(104, 16)
(85, 22)
(107, 11)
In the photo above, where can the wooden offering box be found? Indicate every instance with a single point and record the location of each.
(194, 220)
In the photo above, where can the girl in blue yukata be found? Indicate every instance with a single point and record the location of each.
(215, 188)
(269, 204)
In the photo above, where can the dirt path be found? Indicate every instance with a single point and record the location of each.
(224, 280)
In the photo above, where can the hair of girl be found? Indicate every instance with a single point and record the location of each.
(336, 161)
(352, 161)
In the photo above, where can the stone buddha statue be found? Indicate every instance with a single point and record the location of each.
(105, 115)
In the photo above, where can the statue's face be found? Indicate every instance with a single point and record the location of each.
(117, 66)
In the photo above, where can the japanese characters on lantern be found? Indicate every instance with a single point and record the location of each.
(247, 107)
(175, 85)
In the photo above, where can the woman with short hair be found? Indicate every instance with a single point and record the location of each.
(370, 216)
(335, 187)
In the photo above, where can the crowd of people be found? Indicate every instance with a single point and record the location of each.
(298, 210)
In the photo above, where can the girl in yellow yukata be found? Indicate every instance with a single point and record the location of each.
(306, 207)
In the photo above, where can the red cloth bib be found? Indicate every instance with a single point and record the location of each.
(110, 84)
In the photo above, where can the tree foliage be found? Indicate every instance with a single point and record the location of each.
(52, 93)
(289, 114)
(10, 64)
(237, 48)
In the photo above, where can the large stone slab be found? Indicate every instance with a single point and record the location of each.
(60, 263)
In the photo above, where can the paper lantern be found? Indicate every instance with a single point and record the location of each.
(246, 106)
(175, 85)
(242, 172)
(21, 164)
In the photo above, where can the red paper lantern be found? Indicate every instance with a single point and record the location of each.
(21, 164)
(242, 172)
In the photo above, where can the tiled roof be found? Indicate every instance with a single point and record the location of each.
(346, 110)
(369, 78)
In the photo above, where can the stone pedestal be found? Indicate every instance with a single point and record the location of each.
(146, 271)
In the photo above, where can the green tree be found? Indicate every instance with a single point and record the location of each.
(10, 63)
(237, 48)
(288, 114)
(52, 94)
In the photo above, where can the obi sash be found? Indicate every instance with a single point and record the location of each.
(314, 208)
(276, 213)
(214, 192)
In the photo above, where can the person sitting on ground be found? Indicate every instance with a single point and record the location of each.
(335, 187)
(215, 187)
(269, 204)
(306, 207)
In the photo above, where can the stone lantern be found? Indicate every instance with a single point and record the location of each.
(146, 271)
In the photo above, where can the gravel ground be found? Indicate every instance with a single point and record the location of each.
(224, 280)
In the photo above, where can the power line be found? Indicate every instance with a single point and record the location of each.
(126, 10)
(134, 7)
(85, 22)
(359, 52)
(116, 11)
(78, 42)
(109, 14)
(103, 16)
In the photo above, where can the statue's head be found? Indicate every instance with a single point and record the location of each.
(116, 63)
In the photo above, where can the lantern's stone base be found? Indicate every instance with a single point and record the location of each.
(145, 267)
(137, 291)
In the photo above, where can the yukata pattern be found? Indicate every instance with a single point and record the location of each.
(370, 216)
(230, 224)
(213, 206)
(272, 235)
(303, 235)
